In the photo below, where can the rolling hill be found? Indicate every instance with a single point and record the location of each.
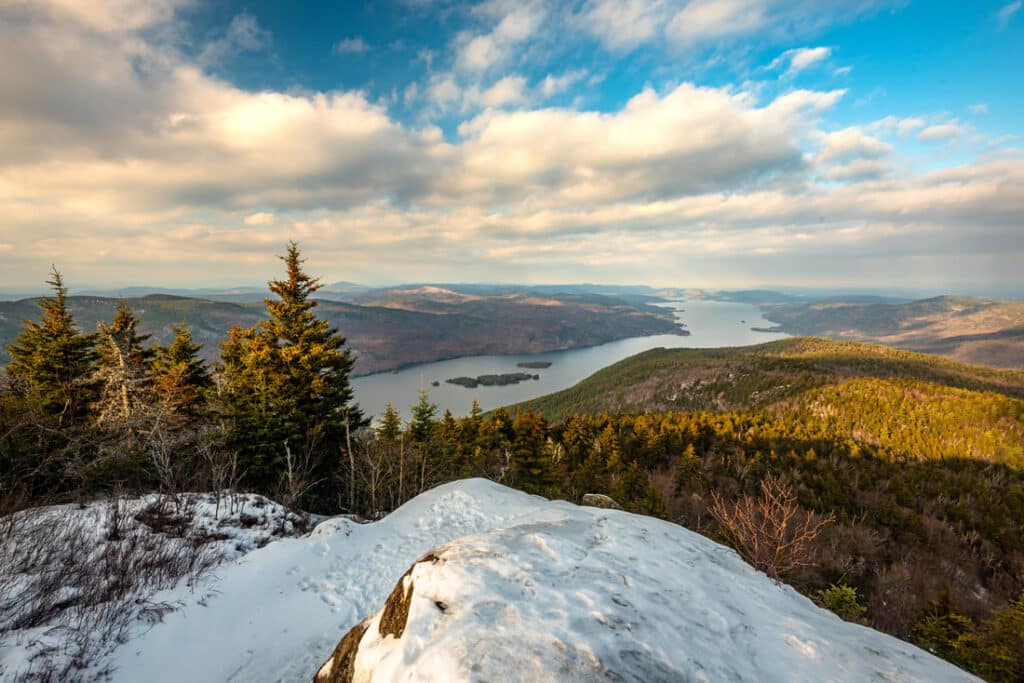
(762, 376)
(964, 328)
(394, 327)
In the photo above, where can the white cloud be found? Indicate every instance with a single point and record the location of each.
(508, 90)
(800, 59)
(941, 131)
(516, 22)
(260, 218)
(902, 126)
(109, 16)
(244, 34)
(979, 108)
(851, 143)
(114, 144)
(555, 85)
(350, 46)
(703, 20)
(623, 24)
(1007, 12)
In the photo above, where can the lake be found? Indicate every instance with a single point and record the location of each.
(712, 324)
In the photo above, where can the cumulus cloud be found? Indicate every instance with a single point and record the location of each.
(120, 157)
(851, 143)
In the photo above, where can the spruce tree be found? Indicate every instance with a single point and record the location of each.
(389, 427)
(51, 361)
(286, 391)
(181, 378)
(424, 419)
(530, 459)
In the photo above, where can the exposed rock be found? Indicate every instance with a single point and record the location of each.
(396, 608)
(599, 500)
(341, 667)
(568, 593)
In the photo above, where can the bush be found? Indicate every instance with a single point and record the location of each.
(842, 600)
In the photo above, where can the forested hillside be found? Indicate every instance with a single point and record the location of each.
(959, 327)
(913, 464)
(389, 331)
(758, 376)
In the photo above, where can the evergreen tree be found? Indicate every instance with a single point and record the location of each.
(122, 371)
(51, 361)
(424, 419)
(531, 463)
(389, 427)
(181, 378)
(286, 392)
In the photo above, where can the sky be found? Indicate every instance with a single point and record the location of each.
(690, 143)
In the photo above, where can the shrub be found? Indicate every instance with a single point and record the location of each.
(842, 600)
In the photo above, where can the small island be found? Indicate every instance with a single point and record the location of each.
(492, 380)
(534, 364)
(768, 330)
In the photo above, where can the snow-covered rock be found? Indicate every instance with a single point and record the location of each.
(566, 593)
(522, 588)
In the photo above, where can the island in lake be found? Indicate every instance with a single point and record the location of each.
(492, 380)
(534, 364)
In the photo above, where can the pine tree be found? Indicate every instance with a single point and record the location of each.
(531, 463)
(286, 391)
(122, 371)
(389, 427)
(424, 419)
(180, 378)
(51, 361)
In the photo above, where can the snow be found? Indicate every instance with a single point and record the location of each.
(531, 590)
(62, 553)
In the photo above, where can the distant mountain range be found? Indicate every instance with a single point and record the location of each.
(389, 328)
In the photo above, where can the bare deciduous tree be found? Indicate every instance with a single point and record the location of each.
(772, 532)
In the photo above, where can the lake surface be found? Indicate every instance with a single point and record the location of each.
(712, 324)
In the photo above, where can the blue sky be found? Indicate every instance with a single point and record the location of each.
(714, 143)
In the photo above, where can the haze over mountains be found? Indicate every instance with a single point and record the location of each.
(390, 328)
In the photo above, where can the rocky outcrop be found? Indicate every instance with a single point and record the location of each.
(599, 500)
(340, 668)
(568, 593)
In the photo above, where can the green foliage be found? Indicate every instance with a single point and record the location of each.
(531, 461)
(181, 379)
(51, 361)
(758, 376)
(842, 600)
(285, 391)
(424, 419)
